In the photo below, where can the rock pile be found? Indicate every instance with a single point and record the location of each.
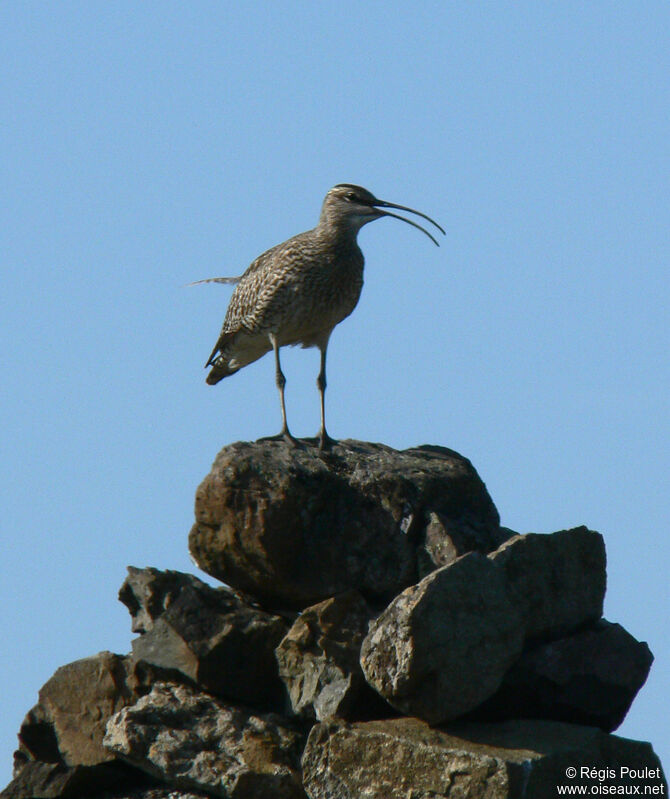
(379, 635)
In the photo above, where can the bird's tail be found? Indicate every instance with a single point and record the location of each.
(218, 360)
(219, 370)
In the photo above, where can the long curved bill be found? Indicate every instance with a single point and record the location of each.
(383, 204)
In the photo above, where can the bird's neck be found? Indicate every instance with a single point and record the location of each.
(338, 231)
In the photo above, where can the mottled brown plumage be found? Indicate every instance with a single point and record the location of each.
(296, 292)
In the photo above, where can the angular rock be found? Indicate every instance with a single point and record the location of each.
(68, 724)
(404, 758)
(294, 526)
(208, 635)
(195, 742)
(319, 661)
(590, 677)
(441, 543)
(443, 646)
(557, 581)
(149, 592)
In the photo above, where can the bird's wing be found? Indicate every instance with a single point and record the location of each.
(262, 284)
(242, 303)
(258, 291)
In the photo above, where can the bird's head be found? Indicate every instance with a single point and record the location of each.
(352, 207)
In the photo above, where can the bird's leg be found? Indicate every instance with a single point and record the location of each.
(325, 440)
(281, 382)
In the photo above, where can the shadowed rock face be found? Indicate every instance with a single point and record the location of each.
(39, 780)
(293, 526)
(590, 677)
(319, 661)
(210, 636)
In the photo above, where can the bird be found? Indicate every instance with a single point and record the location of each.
(298, 291)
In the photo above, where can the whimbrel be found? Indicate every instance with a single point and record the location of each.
(296, 292)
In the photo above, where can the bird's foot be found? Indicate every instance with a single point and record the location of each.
(325, 441)
(285, 435)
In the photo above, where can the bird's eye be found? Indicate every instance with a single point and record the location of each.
(351, 196)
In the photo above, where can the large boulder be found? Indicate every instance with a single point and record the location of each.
(443, 646)
(590, 677)
(319, 661)
(294, 526)
(210, 636)
(404, 758)
(195, 742)
(557, 581)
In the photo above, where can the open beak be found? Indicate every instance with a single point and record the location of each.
(382, 204)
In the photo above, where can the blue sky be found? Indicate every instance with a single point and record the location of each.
(146, 145)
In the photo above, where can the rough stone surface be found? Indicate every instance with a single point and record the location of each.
(443, 646)
(557, 581)
(590, 677)
(68, 723)
(319, 661)
(195, 742)
(406, 759)
(294, 526)
(209, 635)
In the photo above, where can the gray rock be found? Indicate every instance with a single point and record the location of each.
(557, 581)
(319, 661)
(406, 759)
(590, 677)
(196, 742)
(208, 635)
(443, 646)
(294, 526)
